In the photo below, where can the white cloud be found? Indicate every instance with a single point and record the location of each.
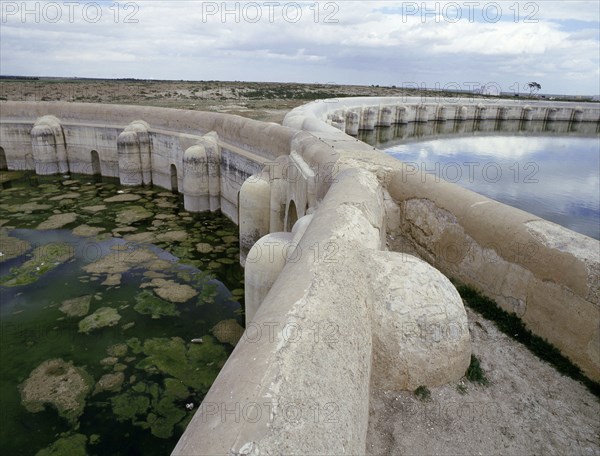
(371, 43)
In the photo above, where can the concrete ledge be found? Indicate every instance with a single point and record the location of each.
(546, 274)
(350, 115)
(336, 311)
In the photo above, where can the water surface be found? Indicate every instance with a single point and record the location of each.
(552, 176)
(143, 288)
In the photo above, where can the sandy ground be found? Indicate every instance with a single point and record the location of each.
(527, 409)
(268, 102)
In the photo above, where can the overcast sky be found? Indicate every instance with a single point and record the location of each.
(460, 44)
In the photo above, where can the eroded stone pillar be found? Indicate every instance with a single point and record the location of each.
(213, 157)
(254, 207)
(352, 123)
(49, 146)
(130, 165)
(196, 196)
(385, 117)
(264, 263)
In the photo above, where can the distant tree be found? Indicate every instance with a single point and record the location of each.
(534, 87)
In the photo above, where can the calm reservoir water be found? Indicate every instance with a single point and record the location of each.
(556, 178)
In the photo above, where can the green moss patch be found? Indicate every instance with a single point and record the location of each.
(11, 247)
(69, 445)
(43, 259)
(103, 317)
(149, 304)
(60, 384)
(76, 307)
(195, 365)
(228, 331)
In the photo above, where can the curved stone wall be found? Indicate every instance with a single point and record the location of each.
(546, 274)
(329, 310)
(365, 113)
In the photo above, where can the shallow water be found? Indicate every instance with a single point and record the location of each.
(553, 177)
(168, 291)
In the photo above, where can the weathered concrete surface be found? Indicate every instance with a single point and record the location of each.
(546, 274)
(353, 114)
(325, 322)
(143, 145)
(300, 376)
(303, 365)
(419, 325)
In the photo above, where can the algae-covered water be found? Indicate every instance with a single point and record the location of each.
(102, 289)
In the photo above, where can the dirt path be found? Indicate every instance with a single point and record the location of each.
(528, 408)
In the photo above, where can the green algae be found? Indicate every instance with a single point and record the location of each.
(76, 307)
(110, 382)
(133, 214)
(149, 304)
(228, 331)
(94, 209)
(136, 345)
(173, 291)
(43, 259)
(103, 317)
(121, 261)
(195, 365)
(172, 236)
(122, 198)
(166, 415)
(11, 247)
(176, 388)
(109, 361)
(57, 221)
(165, 405)
(127, 406)
(27, 207)
(87, 231)
(68, 445)
(60, 384)
(117, 350)
(70, 196)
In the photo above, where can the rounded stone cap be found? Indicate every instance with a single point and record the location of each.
(139, 126)
(128, 137)
(419, 324)
(194, 153)
(42, 130)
